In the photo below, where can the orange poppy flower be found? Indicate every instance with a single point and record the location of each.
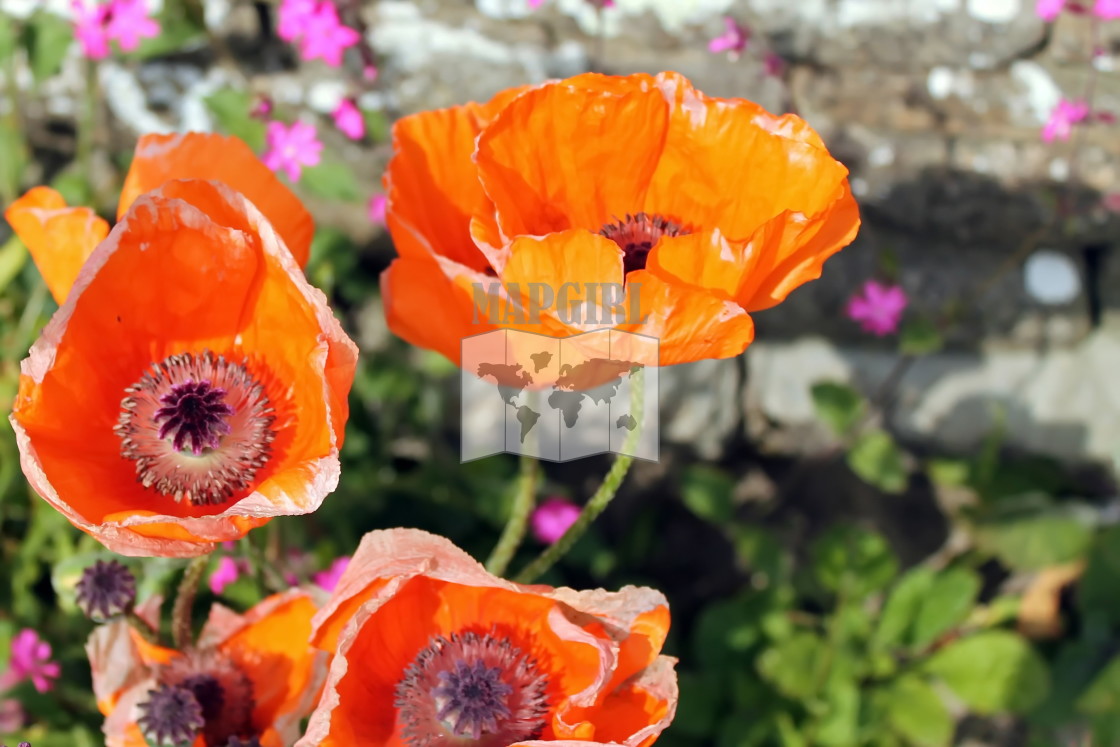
(248, 678)
(694, 210)
(61, 238)
(430, 649)
(193, 384)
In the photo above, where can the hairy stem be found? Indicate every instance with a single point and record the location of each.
(181, 629)
(514, 531)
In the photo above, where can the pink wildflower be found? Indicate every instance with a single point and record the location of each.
(1048, 10)
(377, 206)
(325, 37)
(129, 23)
(12, 716)
(90, 28)
(534, 4)
(879, 309)
(1065, 115)
(328, 579)
(349, 120)
(733, 40)
(228, 571)
(1107, 9)
(773, 65)
(30, 660)
(290, 148)
(294, 17)
(369, 72)
(552, 518)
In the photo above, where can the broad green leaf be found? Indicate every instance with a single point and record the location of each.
(707, 493)
(1098, 595)
(838, 405)
(949, 473)
(1032, 533)
(993, 671)
(48, 38)
(331, 180)
(231, 108)
(945, 604)
(13, 256)
(876, 458)
(902, 607)
(920, 337)
(917, 713)
(9, 37)
(1103, 694)
(794, 666)
(853, 559)
(839, 727)
(13, 160)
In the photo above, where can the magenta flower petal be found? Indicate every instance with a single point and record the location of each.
(348, 119)
(552, 518)
(30, 660)
(878, 308)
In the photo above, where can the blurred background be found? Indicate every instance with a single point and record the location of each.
(891, 532)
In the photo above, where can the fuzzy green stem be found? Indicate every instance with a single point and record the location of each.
(181, 629)
(523, 501)
(602, 497)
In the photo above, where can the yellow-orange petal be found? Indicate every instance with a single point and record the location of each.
(689, 323)
(60, 238)
(195, 155)
(721, 169)
(432, 184)
(564, 156)
(170, 278)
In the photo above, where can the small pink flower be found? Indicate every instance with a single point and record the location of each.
(328, 579)
(773, 65)
(30, 660)
(349, 120)
(733, 40)
(325, 37)
(879, 309)
(294, 17)
(291, 147)
(1048, 10)
(1111, 202)
(369, 72)
(90, 28)
(1107, 9)
(129, 23)
(228, 571)
(262, 109)
(534, 4)
(12, 716)
(377, 206)
(1065, 115)
(552, 518)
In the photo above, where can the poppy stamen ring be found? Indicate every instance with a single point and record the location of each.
(637, 235)
(198, 427)
(471, 689)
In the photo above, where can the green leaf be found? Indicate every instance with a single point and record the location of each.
(949, 473)
(1033, 533)
(916, 712)
(902, 607)
(13, 256)
(1103, 694)
(231, 108)
(48, 38)
(707, 493)
(838, 405)
(839, 727)
(331, 180)
(946, 604)
(993, 671)
(920, 337)
(876, 458)
(853, 559)
(1098, 595)
(794, 665)
(378, 127)
(9, 37)
(13, 160)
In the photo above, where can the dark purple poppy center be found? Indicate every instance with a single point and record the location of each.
(472, 699)
(637, 234)
(194, 415)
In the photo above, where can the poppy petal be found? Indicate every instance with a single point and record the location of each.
(602, 147)
(196, 155)
(432, 184)
(60, 238)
